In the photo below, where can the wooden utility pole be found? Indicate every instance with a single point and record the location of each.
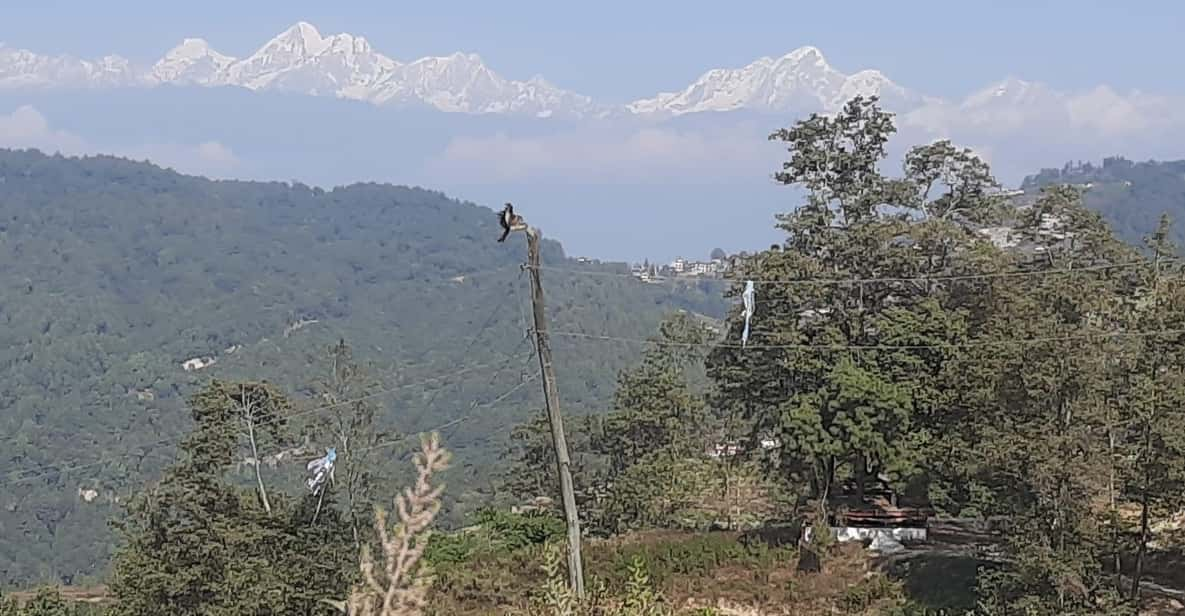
(552, 400)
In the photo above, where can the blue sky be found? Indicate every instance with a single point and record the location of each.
(617, 51)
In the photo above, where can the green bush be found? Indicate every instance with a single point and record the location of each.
(869, 592)
(47, 602)
(495, 532)
(445, 549)
(513, 531)
(697, 556)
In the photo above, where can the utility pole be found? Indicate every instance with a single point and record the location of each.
(551, 398)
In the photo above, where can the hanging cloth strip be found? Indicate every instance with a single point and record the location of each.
(322, 469)
(748, 299)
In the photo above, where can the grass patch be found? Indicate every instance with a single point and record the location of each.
(695, 573)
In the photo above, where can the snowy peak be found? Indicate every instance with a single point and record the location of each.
(302, 60)
(303, 36)
(461, 82)
(299, 43)
(1010, 91)
(806, 52)
(191, 49)
(799, 80)
(193, 61)
(21, 68)
(289, 52)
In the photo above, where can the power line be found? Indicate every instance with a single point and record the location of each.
(459, 420)
(52, 468)
(23, 477)
(489, 321)
(872, 280)
(436, 282)
(876, 347)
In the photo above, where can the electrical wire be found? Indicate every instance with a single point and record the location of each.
(878, 347)
(874, 280)
(455, 422)
(52, 468)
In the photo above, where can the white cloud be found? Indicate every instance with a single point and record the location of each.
(1016, 108)
(216, 153)
(209, 158)
(1017, 126)
(26, 127)
(643, 155)
(1023, 127)
(1106, 112)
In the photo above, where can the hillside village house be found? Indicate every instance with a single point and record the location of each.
(680, 268)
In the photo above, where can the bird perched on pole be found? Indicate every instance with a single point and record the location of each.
(510, 222)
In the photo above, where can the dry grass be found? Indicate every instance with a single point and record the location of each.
(1162, 606)
(849, 585)
(692, 572)
(396, 585)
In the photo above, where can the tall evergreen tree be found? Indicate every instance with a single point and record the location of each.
(658, 424)
(1043, 417)
(196, 543)
(1153, 393)
(654, 405)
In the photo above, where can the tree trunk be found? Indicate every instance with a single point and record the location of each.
(861, 473)
(352, 489)
(1143, 549)
(267, 507)
(1114, 509)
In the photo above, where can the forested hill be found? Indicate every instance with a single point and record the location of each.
(1131, 196)
(114, 273)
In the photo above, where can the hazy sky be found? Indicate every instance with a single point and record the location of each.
(618, 51)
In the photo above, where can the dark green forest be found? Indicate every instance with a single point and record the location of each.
(115, 272)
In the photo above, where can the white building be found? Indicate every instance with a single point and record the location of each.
(197, 363)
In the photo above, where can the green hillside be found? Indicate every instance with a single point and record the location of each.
(1131, 196)
(114, 273)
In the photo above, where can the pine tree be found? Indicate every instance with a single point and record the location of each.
(1042, 415)
(655, 407)
(197, 543)
(1153, 392)
(658, 424)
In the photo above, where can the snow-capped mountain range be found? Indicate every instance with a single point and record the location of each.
(302, 60)
(801, 79)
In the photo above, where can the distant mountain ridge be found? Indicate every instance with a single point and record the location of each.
(799, 79)
(303, 60)
(1130, 195)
